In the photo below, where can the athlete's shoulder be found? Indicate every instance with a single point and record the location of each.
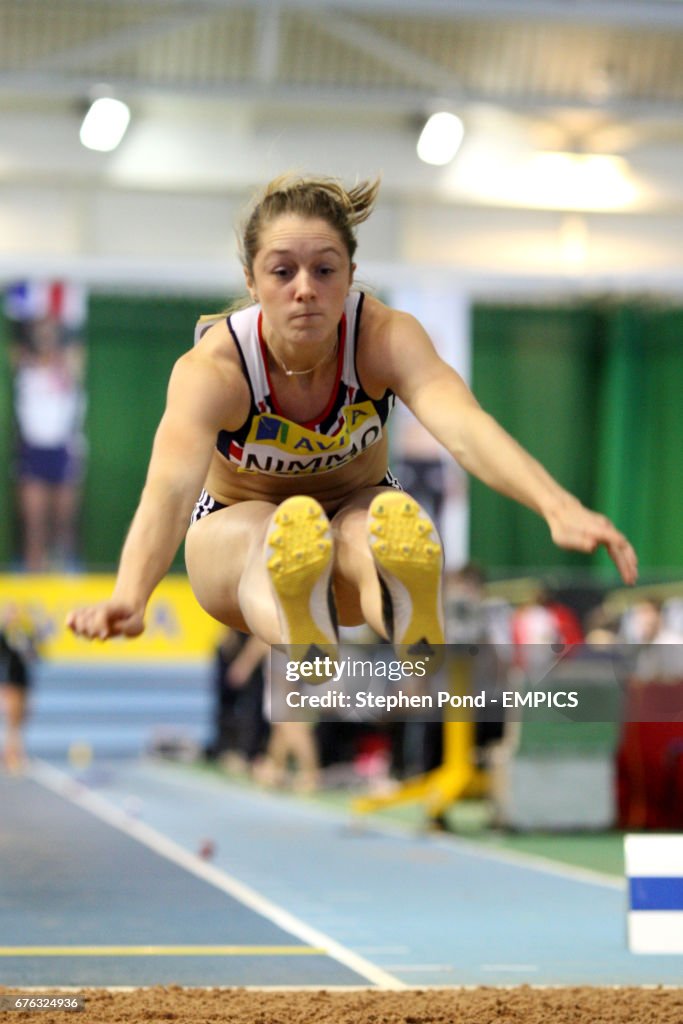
(375, 319)
(390, 342)
(213, 365)
(383, 325)
(216, 344)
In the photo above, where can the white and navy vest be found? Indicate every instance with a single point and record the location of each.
(270, 442)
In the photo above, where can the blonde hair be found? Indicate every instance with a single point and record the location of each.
(343, 209)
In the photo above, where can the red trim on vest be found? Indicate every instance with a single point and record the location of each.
(309, 424)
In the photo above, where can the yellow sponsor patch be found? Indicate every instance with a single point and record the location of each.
(277, 445)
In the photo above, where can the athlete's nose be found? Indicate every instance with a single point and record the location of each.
(305, 289)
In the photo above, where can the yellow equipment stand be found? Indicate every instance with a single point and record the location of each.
(457, 777)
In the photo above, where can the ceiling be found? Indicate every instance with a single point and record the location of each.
(219, 89)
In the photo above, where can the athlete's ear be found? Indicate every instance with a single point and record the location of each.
(353, 271)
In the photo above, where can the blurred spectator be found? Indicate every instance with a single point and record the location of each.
(541, 626)
(650, 759)
(291, 756)
(47, 358)
(17, 650)
(602, 627)
(418, 462)
(643, 623)
(672, 614)
(240, 730)
(660, 658)
(472, 616)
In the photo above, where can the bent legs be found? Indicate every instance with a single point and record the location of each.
(267, 569)
(299, 560)
(224, 554)
(388, 550)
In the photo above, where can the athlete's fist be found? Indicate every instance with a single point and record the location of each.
(106, 619)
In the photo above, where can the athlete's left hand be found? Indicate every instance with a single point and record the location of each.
(575, 527)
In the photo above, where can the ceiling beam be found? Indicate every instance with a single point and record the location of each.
(407, 100)
(268, 33)
(427, 73)
(119, 41)
(653, 14)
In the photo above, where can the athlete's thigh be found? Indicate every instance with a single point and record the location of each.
(349, 522)
(354, 566)
(217, 548)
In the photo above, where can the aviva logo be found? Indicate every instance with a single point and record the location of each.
(277, 432)
(277, 445)
(271, 428)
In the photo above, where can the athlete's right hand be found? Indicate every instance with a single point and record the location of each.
(106, 619)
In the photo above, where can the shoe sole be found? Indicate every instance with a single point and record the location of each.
(409, 561)
(299, 563)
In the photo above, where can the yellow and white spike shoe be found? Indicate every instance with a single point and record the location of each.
(299, 561)
(409, 561)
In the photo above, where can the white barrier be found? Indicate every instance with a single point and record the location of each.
(654, 872)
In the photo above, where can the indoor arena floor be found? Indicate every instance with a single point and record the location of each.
(141, 872)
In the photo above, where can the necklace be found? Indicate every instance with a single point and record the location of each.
(301, 373)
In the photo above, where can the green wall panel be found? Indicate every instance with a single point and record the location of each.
(593, 391)
(132, 346)
(535, 370)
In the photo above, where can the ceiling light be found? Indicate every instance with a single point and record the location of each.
(105, 124)
(440, 139)
(580, 181)
(549, 180)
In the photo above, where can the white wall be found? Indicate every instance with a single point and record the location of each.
(161, 210)
(187, 240)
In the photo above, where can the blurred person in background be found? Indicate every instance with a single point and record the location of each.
(17, 651)
(49, 407)
(240, 729)
(660, 647)
(291, 758)
(419, 463)
(541, 628)
(277, 420)
(292, 755)
(602, 626)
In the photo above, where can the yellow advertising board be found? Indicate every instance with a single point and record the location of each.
(177, 629)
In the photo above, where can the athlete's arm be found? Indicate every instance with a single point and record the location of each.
(195, 410)
(408, 363)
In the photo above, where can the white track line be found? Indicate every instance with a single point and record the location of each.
(67, 788)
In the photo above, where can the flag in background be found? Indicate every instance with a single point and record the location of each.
(62, 301)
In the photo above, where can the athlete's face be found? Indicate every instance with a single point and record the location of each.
(301, 276)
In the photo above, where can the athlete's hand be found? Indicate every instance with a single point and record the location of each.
(575, 527)
(106, 619)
